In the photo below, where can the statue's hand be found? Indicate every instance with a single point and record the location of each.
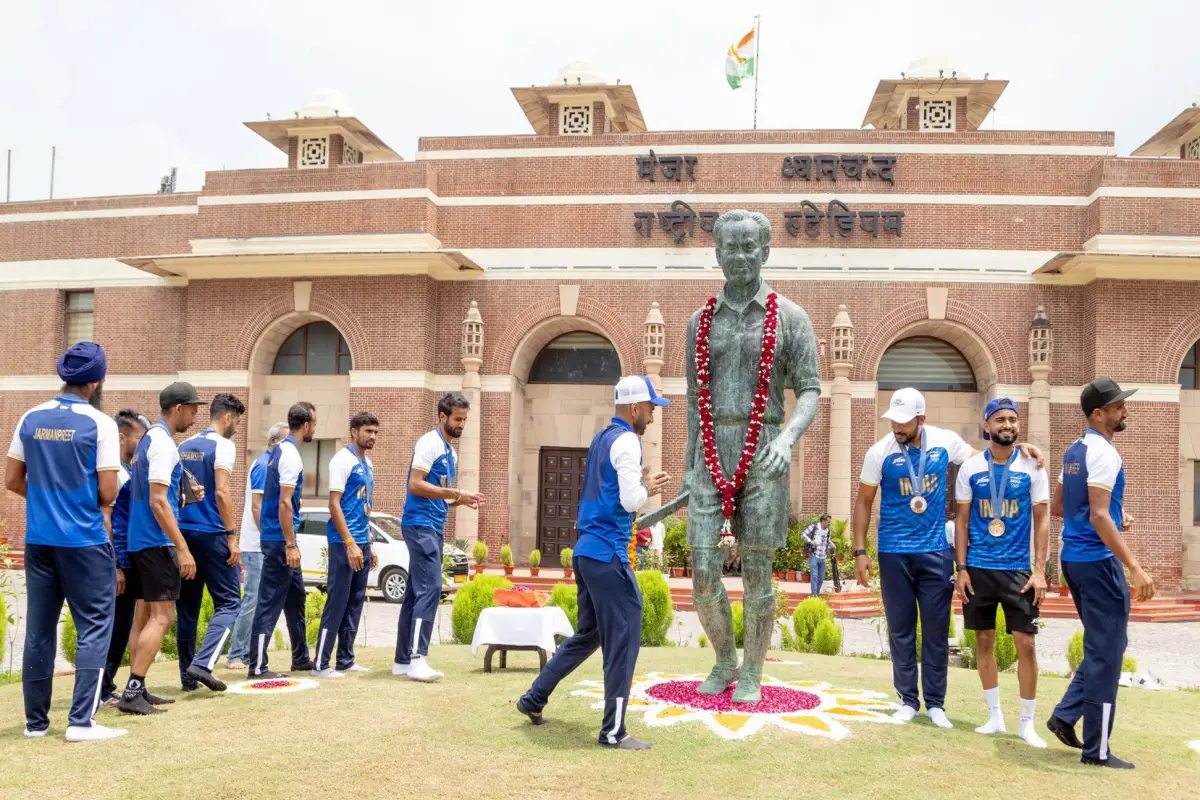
(774, 461)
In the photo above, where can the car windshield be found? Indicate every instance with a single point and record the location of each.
(389, 525)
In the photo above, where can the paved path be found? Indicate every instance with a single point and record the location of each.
(1170, 652)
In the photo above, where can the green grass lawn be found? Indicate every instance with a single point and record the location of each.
(373, 735)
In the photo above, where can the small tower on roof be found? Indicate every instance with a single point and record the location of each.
(1178, 138)
(932, 96)
(324, 133)
(580, 101)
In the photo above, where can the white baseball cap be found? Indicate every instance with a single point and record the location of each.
(906, 405)
(637, 389)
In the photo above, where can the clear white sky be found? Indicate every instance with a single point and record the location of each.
(127, 88)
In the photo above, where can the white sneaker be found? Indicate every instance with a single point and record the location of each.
(328, 672)
(34, 734)
(92, 733)
(1026, 732)
(357, 668)
(994, 725)
(938, 717)
(905, 714)
(400, 669)
(419, 670)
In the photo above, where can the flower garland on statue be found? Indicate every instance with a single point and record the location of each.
(730, 487)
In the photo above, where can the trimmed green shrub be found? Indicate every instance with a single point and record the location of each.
(1128, 664)
(506, 557)
(314, 605)
(827, 640)
(566, 597)
(480, 552)
(676, 551)
(469, 602)
(277, 640)
(657, 612)
(808, 617)
(702, 641)
(564, 557)
(739, 624)
(1006, 648)
(535, 558)
(68, 639)
(1075, 651)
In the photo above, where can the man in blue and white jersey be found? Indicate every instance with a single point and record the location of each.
(431, 492)
(251, 548)
(209, 531)
(1003, 513)
(351, 559)
(908, 469)
(615, 486)
(64, 459)
(157, 549)
(131, 427)
(281, 587)
(1090, 500)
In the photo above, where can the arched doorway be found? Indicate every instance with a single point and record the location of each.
(302, 357)
(1189, 464)
(564, 372)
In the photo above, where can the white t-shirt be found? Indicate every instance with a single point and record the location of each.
(342, 464)
(290, 464)
(625, 455)
(161, 456)
(658, 532)
(256, 481)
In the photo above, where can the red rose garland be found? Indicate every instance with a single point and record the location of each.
(729, 488)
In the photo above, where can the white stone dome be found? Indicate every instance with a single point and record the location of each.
(579, 72)
(325, 103)
(933, 67)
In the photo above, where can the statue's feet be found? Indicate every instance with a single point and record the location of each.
(718, 680)
(747, 691)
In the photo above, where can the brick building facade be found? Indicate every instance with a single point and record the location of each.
(1039, 258)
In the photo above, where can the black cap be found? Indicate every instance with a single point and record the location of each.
(1102, 392)
(178, 393)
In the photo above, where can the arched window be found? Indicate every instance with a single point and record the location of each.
(927, 364)
(578, 357)
(1189, 375)
(315, 349)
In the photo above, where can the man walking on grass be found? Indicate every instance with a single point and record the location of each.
(1003, 499)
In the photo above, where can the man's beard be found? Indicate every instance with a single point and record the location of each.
(367, 445)
(97, 399)
(453, 433)
(1005, 439)
(1120, 426)
(639, 426)
(228, 430)
(908, 438)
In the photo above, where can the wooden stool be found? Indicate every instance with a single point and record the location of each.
(503, 650)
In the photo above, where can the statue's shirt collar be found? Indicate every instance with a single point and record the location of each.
(760, 298)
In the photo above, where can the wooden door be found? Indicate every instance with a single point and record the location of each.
(560, 478)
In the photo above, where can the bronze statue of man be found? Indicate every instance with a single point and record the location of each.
(735, 334)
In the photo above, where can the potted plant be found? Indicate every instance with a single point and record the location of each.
(479, 552)
(506, 559)
(564, 558)
(676, 550)
(535, 562)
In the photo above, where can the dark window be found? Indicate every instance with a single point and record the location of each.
(315, 349)
(925, 364)
(1189, 376)
(80, 314)
(1196, 492)
(578, 357)
(316, 455)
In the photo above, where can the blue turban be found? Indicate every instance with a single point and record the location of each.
(83, 363)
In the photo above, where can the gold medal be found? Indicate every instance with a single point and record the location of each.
(366, 509)
(918, 504)
(996, 527)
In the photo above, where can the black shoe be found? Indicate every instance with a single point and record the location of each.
(267, 676)
(204, 676)
(1111, 761)
(1064, 732)
(156, 701)
(534, 716)
(138, 705)
(307, 666)
(628, 743)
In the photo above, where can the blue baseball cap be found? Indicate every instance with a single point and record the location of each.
(999, 403)
(637, 389)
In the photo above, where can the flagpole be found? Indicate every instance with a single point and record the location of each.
(757, 26)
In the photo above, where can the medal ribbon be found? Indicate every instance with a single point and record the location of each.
(997, 492)
(368, 478)
(918, 477)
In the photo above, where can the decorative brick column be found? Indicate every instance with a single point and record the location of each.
(466, 520)
(1041, 349)
(839, 480)
(652, 362)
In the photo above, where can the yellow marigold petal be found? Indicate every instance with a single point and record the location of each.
(816, 723)
(731, 721)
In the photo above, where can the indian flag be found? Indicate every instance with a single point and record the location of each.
(739, 62)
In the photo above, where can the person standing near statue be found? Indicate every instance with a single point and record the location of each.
(749, 345)
(615, 486)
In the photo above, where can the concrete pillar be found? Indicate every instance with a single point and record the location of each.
(840, 473)
(466, 520)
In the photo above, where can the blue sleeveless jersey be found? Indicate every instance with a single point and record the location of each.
(605, 527)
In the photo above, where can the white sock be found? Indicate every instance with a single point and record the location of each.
(1026, 729)
(938, 717)
(905, 714)
(995, 723)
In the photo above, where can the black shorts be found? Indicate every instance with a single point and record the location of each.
(158, 573)
(133, 582)
(1000, 587)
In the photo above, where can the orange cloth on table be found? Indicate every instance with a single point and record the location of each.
(511, 598)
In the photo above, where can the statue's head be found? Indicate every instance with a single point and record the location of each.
(743, 243)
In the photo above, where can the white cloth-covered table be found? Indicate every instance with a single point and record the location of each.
(521, 627)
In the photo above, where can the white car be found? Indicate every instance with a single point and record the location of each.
(391, 576)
